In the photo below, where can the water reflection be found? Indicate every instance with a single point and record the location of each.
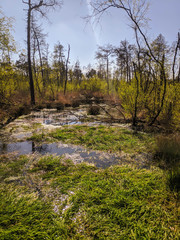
(3, 147)
(19, 147)
(33, 147)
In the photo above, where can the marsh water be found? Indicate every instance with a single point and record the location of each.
(75, 153)
(13, 139)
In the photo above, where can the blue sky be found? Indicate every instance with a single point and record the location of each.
(68, 26)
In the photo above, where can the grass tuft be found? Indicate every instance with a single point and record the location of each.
(168, 156)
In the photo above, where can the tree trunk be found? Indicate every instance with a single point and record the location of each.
(67, 61)
(164, 93)
(107, 74)
(134, 120)
(35, 72)
(174, 60)
(31, 83)
(40, 59)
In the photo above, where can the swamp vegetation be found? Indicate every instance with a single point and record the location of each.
(119, 183)
(95, 153)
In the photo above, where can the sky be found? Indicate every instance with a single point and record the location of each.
(68, 26)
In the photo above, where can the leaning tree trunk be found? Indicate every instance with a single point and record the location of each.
(163, 96)
(40, 59)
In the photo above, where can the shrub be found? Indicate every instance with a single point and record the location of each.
(21, 110)
(75, 104)
(94, 110)
(60, 106)
(48, 106)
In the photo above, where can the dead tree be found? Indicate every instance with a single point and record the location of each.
(174, 59)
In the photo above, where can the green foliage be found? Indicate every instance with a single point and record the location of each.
(7, 43)
(127, 93)
(7, 83)
(171, 112)
(94, 84)
(149, 100)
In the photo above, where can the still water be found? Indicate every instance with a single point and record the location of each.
(75, 153)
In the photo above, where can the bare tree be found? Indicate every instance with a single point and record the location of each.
(59, 63)
(124, 54)
(39, 47)
(77, 73)
(104, 53)
(174, 59)
(135, 10)
(41, 7)
(67, 62)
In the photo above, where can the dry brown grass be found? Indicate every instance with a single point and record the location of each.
(68, 98)
(169, 146)
(168, 156)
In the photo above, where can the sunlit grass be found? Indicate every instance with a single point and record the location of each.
(84, 202)
(102, 138)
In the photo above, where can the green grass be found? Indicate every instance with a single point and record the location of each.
(23, 216)
(34, 126)
(10, 166)
(102, 138)
(84, 202)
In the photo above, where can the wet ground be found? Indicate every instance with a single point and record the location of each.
(13, 139)
(76, 153)
(49, 119)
